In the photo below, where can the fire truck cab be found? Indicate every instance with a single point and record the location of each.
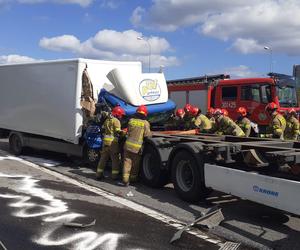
(219, 91)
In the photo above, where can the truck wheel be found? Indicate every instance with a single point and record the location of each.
(186, 177)
(15, 144)
(152, 172)
(4, 133)
(91, 156)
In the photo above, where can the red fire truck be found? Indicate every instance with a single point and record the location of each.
(219, 91)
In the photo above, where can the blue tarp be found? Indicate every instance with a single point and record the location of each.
(130, 109)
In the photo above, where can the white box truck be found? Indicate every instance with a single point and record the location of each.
(40, 102)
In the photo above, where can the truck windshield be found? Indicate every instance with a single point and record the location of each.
(287, 96)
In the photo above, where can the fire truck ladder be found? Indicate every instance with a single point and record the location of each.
(208, 79)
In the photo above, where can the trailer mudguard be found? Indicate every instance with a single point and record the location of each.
(163, 148)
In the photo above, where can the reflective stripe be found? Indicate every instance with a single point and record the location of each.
(136, 123)
(115, 171)
(241, 133)
(134, 144)
(282, 120)
(108, 139)
(125, 178)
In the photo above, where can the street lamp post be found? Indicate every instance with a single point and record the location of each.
(271, 58)
(147, 41)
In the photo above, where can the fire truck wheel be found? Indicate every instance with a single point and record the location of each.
(91, 156)
(15, 144)
(152, 173)
(186, 177)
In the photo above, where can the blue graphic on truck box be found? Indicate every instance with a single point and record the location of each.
(258, 189)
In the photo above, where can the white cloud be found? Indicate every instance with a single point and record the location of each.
(16, 59)
(137, 15)
(241, 71)
(60, 43)
(114, 45)
(169, 15)
(247, 46)
(248, 25)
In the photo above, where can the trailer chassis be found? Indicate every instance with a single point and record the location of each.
(250, 168)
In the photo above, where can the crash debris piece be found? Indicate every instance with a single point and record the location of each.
(80, 225)
(212, 218)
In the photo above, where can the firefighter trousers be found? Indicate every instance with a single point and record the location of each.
(113, 153)
(131, 166)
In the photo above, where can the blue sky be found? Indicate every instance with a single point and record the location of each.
(190, 38)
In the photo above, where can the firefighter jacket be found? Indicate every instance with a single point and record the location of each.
(175, 123)
(245, 124)
(112, 128)
(202, 122)
(188, 122)
(138, 129)
(227, 126)
(292, 129)
(277, 126)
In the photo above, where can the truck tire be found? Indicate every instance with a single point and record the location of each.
(4, 133)
(186, 177)
(15, 144)
(91, 156)
(152, 173)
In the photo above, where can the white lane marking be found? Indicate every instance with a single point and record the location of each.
(55, 211)
(110, 196)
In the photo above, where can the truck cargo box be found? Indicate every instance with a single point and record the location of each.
(43, 98)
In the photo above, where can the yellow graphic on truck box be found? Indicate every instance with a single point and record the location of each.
(150, 89)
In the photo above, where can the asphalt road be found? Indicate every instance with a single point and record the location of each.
(252, 225)
(36, 207)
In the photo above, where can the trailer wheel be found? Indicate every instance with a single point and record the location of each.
(15, 144)
(4, 133)
(91, 156)
(186, 177)
(152, 172)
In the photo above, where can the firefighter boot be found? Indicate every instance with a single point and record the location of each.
(123, 184)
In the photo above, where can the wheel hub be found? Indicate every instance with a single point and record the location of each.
(185, 175)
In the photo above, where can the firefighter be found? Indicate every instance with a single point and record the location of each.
(292, 126)
(277, 124)
(226, 126)
(180, 113)
(187, 109)
(243, 122)
(210, 114)
(188, 118)
(225, 112)
(138, 129)
(176, 121)
(201, 121)
(110, 148)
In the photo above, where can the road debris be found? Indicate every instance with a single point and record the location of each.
(80, 225)
(129, 194)
(212, 218)
(229, 245)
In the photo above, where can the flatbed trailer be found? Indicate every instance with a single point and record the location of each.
(249, 168)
